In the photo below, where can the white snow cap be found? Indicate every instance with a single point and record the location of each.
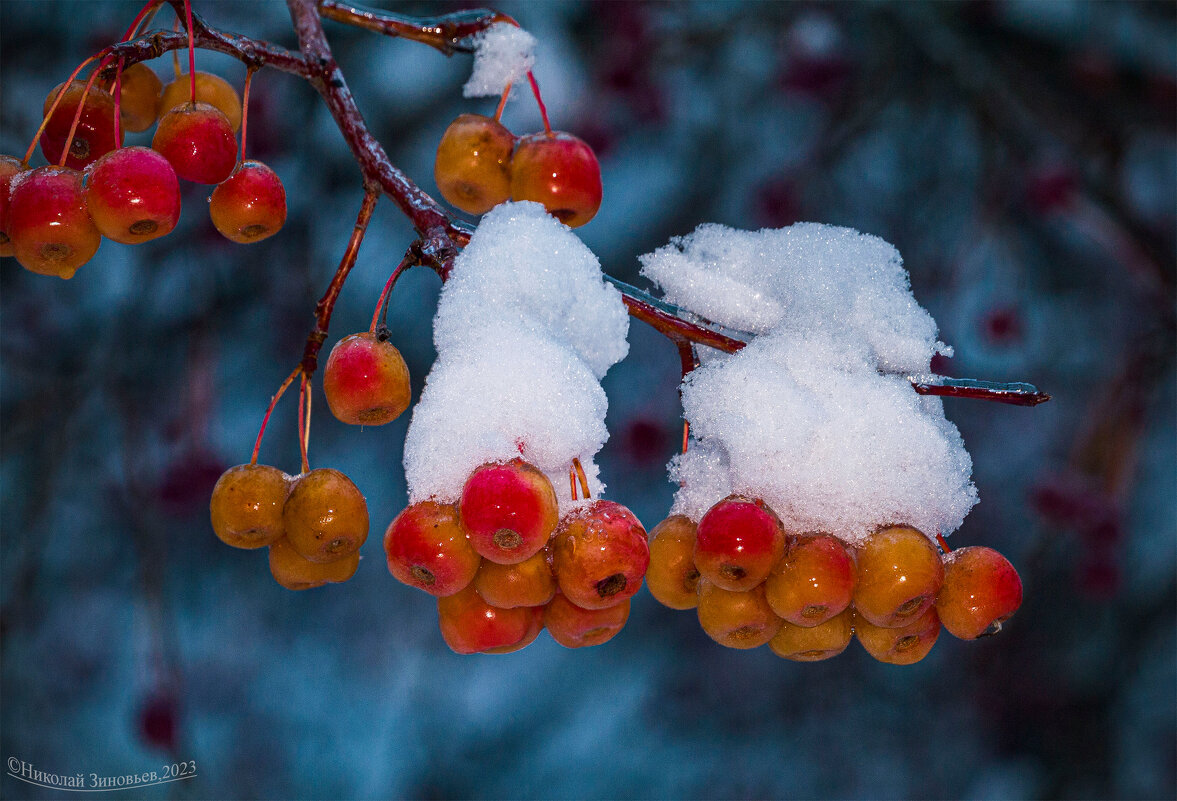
(525, 329)
(816, 415)
(503, 55)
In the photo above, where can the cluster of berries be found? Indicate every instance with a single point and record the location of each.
(481, 164)
(504, 565)
(753, 583)
(53, 218)
(314, 523)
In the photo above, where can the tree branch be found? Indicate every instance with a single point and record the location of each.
(447, 33)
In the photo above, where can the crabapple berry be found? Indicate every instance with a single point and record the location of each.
(559, 171)
(736, 619)
(9, 167)
(737, 543)
(981, 591)
(509, 509)
(427, 549)
(94, 136)
(294, 572)
(904, 645)
(366, 380)
(534, 627)
(813, 582)
(672, 577)
(899, 574)
(246, 506)
(139, 97)
(249, 205)
(198, 142)
(601, 554)
(211, 89)
(132, 194)
(473, 166)
(51, 230)
(325, 515)
(469, 624)
(574, 627)
(526, 583)
(813, 643)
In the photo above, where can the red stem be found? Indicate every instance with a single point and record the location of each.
(943, 544)
(73, 129)
(191, 49)
(56, 102)
(245, 109)
(408, 261)
(539, 101)
(269, 410)
(148, 8)
(304, 422)
(502, 103)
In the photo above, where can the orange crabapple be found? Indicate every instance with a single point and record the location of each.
(534, 627)
(366, 380)
(469, 624)
(574, 627)
(509, 510)
(294, 572)
(325, 515)
(526, 583)
(737, 542)
(736, 619)
(427, 549)
(899, 575)
(814, 643)
(813, 582)
(249, 205)
(672, 577)
(139, 98)
(601, 554)
(246, 505)
(981, 591)
(473, 165)
(211, 89)
(903, 645)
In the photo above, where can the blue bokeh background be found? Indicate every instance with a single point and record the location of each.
(1022, 157)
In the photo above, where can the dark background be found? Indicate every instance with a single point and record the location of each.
(1021, 156)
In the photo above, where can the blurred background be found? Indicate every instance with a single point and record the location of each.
(1020, 155)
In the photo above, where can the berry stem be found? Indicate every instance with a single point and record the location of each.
(257, 446)
(73, 129)
(539, 101)
(580, 476)
(56, 102)
(118, 101)
(142, 18)
(408, 261)
(176, 53)
(245, 108)
(943, 543)
(191, 48)
(572, 482)
(502, 103)
(304, 421)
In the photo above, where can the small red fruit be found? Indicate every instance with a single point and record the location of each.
(133, 195)
(574, 627)
(325, 516)
(211, 89)
(51, 230)
(981, 591)
(559, 171)
(198, 142)
(473, 166)
(509, 509)
(899, 575)
(813, 582)
(672, 576)
(601, 554)
(366, 380)
(139, 97)
(427, 549)
(736, 619)
(899, 646)
(470, 625)
(94, 136)
(250, 205)
(737, 543)
(527, 583)
(813, 643)
(246, 505)
(534, 627)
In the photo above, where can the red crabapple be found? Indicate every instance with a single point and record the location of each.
(509, 509)
(249, 205)
(899, 575)
(246, 505)
(211, 89)
(325, 516)
(9, 167)
(672, 577)
(814, 643)
(574, 627)
(294, 572)
(559, 171)
(473, 166)
(737, 542)
(526, 583)
(736, 619)
(534, 627)
(139, 98)
(904, 645)
(198, 142)
(366, 380)
(51, 230)
(427, 549)
(133, 195)
(469, 624)
(94, 136)
(813, 582)
(601, 554)
(981, 591)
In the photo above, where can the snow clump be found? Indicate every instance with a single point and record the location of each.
(503, 55)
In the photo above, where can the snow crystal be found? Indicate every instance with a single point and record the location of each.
(816, 415)
(503, 54)
(525, 328)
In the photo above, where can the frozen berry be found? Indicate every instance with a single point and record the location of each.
(366, 380)
(899, 574)
(198, 142)
(574, 627)
(813, 582)
(904, 645)
(559, 171)
(672, 577)
(51, 230)
(94, 135)
(981, 591)
(427, 549)
(526, 583)
(294, 572)
(473, 166)
(736, 619)
(813, 643)
(139, 97)
(509, 509)
(133, 195)
(601, 554)
(470, 625)
(737, 543)
(325, 516)
(249, 205)
(246, 505)
(211, 89)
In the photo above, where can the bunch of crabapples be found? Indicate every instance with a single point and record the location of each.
(53, 218)
(805, 595)
(504, 565)
(481, 164)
